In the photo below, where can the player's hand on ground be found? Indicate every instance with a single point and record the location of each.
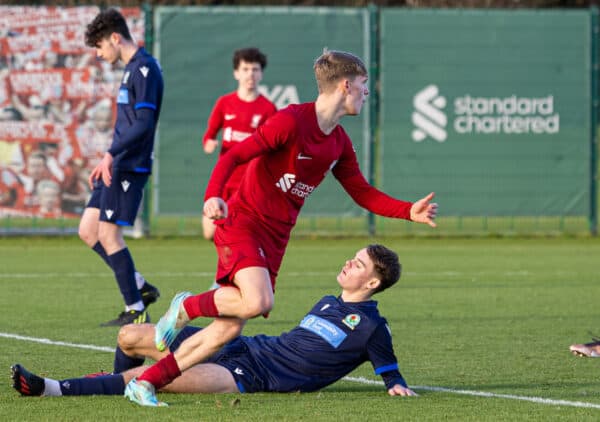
(424, 211)
(398, 390)
(210, 145)
(215, 208)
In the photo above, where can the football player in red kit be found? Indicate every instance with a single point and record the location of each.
(289, 156)
(237, 115)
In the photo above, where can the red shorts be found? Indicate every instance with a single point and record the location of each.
(243, 240)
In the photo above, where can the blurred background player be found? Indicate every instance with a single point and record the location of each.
(290, 155)
(237, 115)
(334, 338)
(118, 180)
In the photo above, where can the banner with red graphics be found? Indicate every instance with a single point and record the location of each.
(57, 108)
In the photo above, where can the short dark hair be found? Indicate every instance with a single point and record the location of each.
(104, 24)
(331, 66)
(387, 266)
(249, 55)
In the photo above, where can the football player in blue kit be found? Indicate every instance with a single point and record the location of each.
(335, 337)
(119, 178)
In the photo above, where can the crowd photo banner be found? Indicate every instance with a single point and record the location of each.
(57, 108)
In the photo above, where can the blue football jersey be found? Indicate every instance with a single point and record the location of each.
(332, 340)
(141, 88)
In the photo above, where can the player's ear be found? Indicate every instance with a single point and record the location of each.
(373, 283)
(115, 38)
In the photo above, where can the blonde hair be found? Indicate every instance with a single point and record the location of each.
(334, 65)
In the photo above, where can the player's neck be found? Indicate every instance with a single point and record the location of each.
(356, 296)
(128, 50)
(247, 95)
(328, 113)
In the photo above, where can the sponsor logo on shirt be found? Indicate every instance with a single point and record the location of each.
(351, 321)
(302, 190)
(144, 71)
(328, 331)
(286, 181)
(123, 96)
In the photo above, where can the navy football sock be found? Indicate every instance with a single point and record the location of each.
(122, 265)
(105, 385)
(124, 362)
(99, 249)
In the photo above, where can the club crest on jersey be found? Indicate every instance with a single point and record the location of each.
(351, 321)
(125, 185)
(255, 120)
(144, 70)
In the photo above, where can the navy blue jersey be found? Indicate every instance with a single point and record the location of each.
(138, 109)
(330, 342)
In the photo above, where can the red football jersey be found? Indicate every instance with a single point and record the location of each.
(290, 157)
(236, 119)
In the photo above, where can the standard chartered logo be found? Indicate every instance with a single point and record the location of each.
(509, 115)
(428, 117)
(480, 115)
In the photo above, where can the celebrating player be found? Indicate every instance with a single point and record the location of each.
(237, 115)
(335, 337)
(118, 180)
(291, 154)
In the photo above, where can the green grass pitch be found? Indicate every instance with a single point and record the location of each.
(481, 315)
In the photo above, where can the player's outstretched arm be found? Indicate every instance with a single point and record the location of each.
(424, 211)
(398, 390)
(215, 208)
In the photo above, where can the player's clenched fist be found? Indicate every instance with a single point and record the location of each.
(215, 208)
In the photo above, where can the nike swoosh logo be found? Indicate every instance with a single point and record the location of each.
(304, 157)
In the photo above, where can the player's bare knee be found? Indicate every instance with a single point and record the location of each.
(89, 238)
(128, 337)
(256, 308)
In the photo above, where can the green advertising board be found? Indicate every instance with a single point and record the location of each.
(195, 46)
(489, 109)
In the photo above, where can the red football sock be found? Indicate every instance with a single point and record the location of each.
(201, 305)
(162, 372)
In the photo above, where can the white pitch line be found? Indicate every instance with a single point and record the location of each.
(539, 400)
(362, 380)
(58, 343)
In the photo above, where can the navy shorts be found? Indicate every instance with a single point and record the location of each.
(119, 202)
(235, 357)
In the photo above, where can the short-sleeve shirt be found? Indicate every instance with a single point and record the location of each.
(237, 120)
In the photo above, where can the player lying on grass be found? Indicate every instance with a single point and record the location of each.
(288, 157)
(335, 337)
